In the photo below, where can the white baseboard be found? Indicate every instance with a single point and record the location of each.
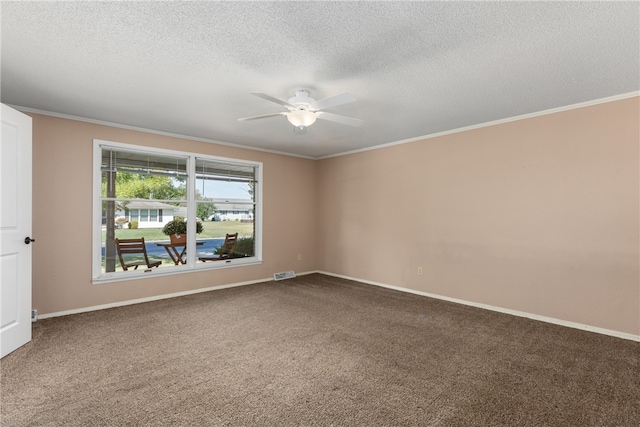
(157, 297)
(546, 319)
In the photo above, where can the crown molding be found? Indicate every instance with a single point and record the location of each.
(152, 131)
(492, 123)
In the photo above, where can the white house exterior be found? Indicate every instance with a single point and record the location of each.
(233, 210)
(148, 213)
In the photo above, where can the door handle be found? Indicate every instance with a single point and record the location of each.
(28, 240)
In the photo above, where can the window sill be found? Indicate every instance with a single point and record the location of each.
(169, 271)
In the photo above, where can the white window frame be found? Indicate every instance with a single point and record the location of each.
(100, 277)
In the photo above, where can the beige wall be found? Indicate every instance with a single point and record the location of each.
(62, 201)
(537, 215)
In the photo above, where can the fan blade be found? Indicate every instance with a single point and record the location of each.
(349, 121)
(272, 99)
(264, 116)
(334, 101)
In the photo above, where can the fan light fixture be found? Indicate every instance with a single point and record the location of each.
(303, 110)
(301, 118)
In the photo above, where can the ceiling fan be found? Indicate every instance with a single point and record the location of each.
(304, 110)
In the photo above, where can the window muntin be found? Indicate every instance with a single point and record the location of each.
(142, 189)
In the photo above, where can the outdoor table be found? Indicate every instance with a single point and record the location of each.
(174, 251)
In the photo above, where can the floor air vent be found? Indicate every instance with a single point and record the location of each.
(284, 275)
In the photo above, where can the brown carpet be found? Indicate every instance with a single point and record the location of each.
(316, 351)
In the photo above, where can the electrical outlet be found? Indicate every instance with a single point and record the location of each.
(419, 271)
(34, 315)
(299, 257)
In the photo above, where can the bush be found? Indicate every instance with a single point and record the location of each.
(121, 221)
(179, 226)
(244, 247)
(133, 225)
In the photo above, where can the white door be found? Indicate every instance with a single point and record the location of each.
(15, 230)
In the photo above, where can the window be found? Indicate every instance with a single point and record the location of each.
(141, 192)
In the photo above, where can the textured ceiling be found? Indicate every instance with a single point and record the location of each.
(416, 68)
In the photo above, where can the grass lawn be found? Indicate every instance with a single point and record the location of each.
(212, 229)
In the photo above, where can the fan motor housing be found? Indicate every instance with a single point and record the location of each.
(302, 99)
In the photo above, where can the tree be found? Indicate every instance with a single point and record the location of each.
(204, 210)
(137, 186)
(159, 187)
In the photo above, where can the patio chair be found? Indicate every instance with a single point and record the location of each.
(226, 250)
(134, 247)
